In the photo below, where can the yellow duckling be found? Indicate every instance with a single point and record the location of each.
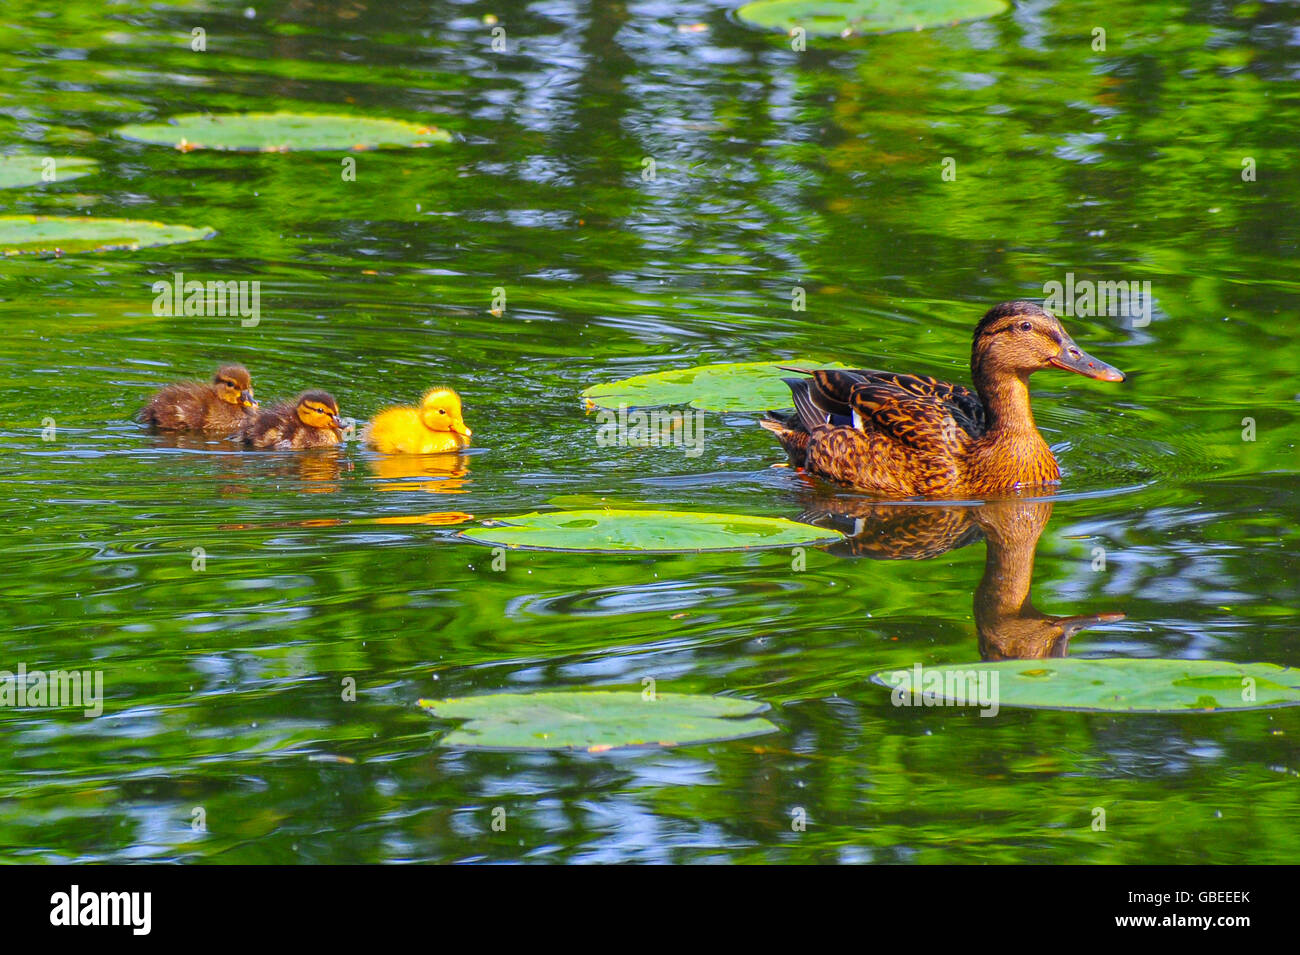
(435, 427)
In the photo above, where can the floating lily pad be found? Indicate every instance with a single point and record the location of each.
(1111, 685)
(596, 720)
(653, 532)
(281, 132)
(842, 17)
(57, 235)
(743, 386)
(18, 171)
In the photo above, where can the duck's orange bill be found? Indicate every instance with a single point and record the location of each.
(463, 430)
(1075, 359)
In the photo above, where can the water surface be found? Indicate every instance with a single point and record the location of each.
(773, 169)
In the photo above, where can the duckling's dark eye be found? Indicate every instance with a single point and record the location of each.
(442, 411)
(1026, 326)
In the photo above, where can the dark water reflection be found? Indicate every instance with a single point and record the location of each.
(1008, 624)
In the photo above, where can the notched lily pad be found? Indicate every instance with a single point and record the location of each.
(596, 720)
(17, 171)
(282, 132)
(61, 235)
(1116, 685)
(741, 386)
(846, 17)
(646, 531)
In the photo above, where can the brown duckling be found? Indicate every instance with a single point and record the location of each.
(310, 421)
(221, 406)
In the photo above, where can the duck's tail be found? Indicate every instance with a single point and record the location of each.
(792, 437)
(792, 430)
(805, 405)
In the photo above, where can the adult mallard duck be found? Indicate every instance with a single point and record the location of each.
(436, 427)
(912, 435)
(218, 407)
(309, 421)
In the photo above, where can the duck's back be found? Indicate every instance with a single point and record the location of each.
(280, 429)
(178, 407)
(880, 431)
(890, 394)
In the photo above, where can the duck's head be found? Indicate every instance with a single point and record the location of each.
(1019, 338)
(318, 409)
(235, 385)
(440, 411)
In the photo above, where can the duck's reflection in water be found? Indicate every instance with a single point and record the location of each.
(308, 472)
(318, 470)
(1009, 625)
(443, 473)
(188, 441)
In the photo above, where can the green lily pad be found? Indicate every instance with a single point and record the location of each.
(281, 132)
(743, 386)
(18, 171)
(58, 235)
(842, 17)
(596, 720)
(1114, 685)
(649, 532)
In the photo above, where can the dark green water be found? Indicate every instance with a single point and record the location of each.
(774, 169)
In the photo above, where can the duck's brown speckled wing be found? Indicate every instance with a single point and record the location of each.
(832, 390)
(884, 432)
(922, 422)
(959, 401)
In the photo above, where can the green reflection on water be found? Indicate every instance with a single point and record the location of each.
(774, 169)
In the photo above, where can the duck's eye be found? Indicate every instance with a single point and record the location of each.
(442, 411)
(1026, 326)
